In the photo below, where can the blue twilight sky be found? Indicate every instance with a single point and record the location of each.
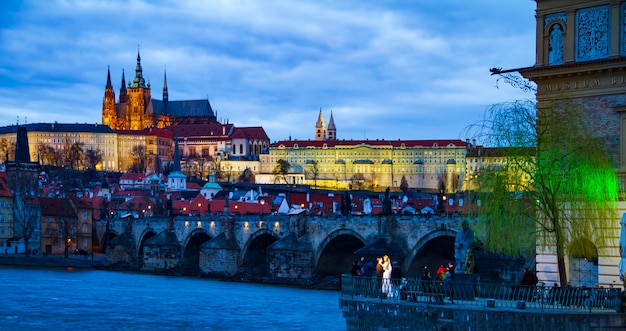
(411, 69)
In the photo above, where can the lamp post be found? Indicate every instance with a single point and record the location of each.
(262, 207)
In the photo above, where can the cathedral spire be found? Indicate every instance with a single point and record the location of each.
(138, 81)
(165, 95)
(123, 93)
(109, 85)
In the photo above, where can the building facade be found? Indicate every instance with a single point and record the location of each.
(428, 165)
(581, 58)
(60, 136)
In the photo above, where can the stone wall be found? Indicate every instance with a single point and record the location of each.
(363, 315)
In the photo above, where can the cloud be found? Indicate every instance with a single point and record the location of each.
(386, 69)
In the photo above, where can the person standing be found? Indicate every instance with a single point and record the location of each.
(387, 269)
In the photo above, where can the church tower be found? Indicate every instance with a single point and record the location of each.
(109, 111)
(332, 130)
(138, 96)
(320, 127)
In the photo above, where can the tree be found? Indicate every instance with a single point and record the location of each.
(404, 185)
(67, 225)
(138, 155)
(281, 170)
(93, 157)
(47, 154)
(6, 149)
(313, 171)
(76, 155)
(246, 176)
(26, 210)
(557, 183)
(358, 181)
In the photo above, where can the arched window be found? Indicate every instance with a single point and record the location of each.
(240, 148)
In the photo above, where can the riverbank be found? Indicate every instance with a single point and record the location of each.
(96, 261)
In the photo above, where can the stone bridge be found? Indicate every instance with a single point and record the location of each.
(281, 248)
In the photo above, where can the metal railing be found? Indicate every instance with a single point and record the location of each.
(490, 295)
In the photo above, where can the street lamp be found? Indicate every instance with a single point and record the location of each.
(262, 205)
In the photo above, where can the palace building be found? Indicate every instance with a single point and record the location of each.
(136, 109)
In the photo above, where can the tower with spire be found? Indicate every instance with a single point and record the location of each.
(323, 132)
(176, 180)
(331, 133)
(109, 110)
(137, 114)
(320, 127)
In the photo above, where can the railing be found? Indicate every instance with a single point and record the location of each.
(483, 294)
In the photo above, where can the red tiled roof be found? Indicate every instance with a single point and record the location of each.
(253, 132)
(193, 186)
(133, 176)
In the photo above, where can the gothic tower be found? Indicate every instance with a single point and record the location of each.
(109, 111)
(320, 127)
(138, 96)
(332, 130)
(123, 92)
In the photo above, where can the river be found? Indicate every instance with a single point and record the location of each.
(87, 299)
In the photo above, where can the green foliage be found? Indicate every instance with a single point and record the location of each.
(282, 169)
(554, 183)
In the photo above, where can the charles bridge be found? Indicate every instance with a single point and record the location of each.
(296, 248)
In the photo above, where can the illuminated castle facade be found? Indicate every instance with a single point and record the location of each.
(136, 109)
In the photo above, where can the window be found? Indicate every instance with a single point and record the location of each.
(84, 214)
(60, 245)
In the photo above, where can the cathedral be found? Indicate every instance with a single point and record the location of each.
(136, 109)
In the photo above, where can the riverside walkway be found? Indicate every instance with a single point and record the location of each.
(426, 305)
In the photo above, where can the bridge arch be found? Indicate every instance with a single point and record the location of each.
(146, 234)
(335, 254)
(254, 260)
(431, 250)
(190, 257)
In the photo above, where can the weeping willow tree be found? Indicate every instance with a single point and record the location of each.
(552, 187)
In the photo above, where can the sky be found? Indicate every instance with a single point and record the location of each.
(412, 69)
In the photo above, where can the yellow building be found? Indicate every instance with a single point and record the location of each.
(60, 136)
(58, 226)
(428, 165)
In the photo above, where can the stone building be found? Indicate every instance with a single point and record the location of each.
(581, 58)
(136, 109)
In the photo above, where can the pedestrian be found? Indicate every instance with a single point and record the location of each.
(387, 269)
(369, 269)
(356, 268)
(528, 282)
(441, 272)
